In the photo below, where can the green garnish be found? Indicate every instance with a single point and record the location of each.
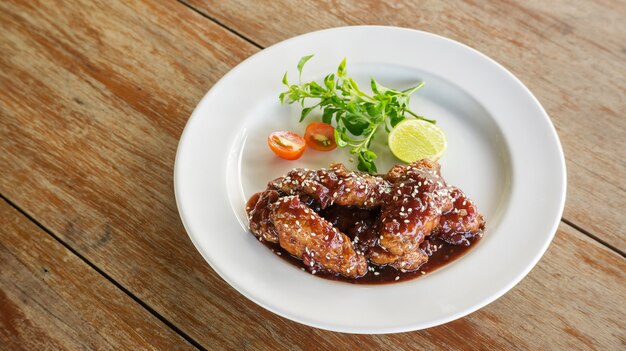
(355, 115)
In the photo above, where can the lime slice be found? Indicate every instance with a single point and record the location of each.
(413, 139)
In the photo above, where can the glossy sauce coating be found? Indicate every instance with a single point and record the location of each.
(444, 255)
(389, 228)
(354, 223)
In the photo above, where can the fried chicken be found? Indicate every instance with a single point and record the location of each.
(410, 261)
(304, 234)
(336, 185)
(338, 221)
(418, 197)
(259, 210)
(461, 222)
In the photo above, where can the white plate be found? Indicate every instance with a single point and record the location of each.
(503, 152)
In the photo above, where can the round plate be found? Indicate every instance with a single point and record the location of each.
(502, 151)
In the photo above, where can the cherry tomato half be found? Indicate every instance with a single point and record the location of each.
(287, 145)
(320, 136)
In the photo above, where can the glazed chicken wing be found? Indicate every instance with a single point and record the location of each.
(336, 185)
(410, 261)
(359, 189)
(306, 235)
(259, 210)
(418, 197)
(461, 222)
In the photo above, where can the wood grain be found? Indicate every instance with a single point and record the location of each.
(51, 300)
(94, 99)
(572, 55)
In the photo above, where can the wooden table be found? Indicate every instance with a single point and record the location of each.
(94, 96)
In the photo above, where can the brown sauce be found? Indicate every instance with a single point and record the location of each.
(358, 222)
(446, 254)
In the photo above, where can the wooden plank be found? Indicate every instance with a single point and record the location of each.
(50, 299)
(570, 54)
(91, 118)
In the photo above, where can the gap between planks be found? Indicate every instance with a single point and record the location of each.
(592, 236)
(216, 21)
(231, 30)
(135, 298)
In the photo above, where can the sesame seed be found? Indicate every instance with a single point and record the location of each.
(347, 190)
(397, 277)
(278, 253)
(422, 272)
(376, 273)
(286, 226)
(406, 221)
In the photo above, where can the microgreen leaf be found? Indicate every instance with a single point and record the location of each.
(339, 140)
(285, 79)
(327, 115)
(341, 70)
(305, 112)
(302, 62)
(329, 81)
